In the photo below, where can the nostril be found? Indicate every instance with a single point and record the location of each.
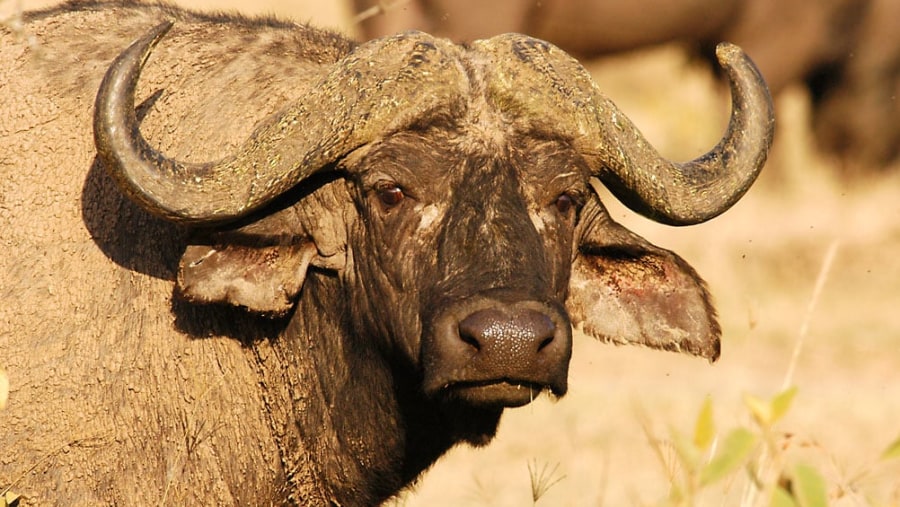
(469, 339)
(471, 330)
(541, 327)
(547, 341)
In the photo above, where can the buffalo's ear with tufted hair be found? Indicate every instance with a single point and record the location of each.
(263, 279)
(625, 290)
(261, 265)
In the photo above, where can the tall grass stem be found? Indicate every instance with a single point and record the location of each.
(827, 262)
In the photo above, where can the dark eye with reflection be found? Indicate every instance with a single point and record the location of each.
(566, 203)
(390, 194)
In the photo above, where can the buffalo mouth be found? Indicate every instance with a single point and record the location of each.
(488, 352)
(508, 393)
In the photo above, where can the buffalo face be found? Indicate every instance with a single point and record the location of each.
(466, 248)
(449, 189)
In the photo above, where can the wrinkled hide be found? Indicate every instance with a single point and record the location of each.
(326, 343)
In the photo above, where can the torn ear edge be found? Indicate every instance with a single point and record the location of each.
(261, 262)
(263, 279)
(625, 290)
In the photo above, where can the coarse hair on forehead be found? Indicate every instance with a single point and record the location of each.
(490, 127)
(480, 121)
(429, 148)
(487, 125)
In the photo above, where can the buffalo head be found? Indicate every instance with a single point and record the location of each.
(448, 189)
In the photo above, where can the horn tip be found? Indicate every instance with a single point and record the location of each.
(159, 31)
(727, 52)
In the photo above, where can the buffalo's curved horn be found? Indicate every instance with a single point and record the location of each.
(553, 87)
(376, 89)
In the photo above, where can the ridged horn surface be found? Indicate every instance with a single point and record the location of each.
(535, 80)
(382, 86)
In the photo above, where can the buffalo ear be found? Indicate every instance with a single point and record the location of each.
(262, 263)
(625, 290)
(264, 279)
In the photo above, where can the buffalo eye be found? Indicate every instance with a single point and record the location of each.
(390, 194)
(565, 203)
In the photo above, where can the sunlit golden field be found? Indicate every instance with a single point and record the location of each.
(761, 260)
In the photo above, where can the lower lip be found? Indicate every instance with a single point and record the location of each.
(501, 393)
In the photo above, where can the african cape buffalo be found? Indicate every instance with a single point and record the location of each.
(246, 261)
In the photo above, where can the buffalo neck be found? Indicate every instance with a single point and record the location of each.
(348, 417)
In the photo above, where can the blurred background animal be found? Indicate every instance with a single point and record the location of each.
(847, 52)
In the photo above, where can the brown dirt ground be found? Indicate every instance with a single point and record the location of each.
(761, 260)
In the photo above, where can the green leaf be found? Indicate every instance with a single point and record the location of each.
(892, 451)
(781, 498)
(705, 429)
(809, 487)
(760, 410)
(768, 413)
(781, 403)
(734, 452)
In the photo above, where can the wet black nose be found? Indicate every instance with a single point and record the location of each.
(498, 353)
(523, 334)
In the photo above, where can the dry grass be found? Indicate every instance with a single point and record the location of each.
(761, 260)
